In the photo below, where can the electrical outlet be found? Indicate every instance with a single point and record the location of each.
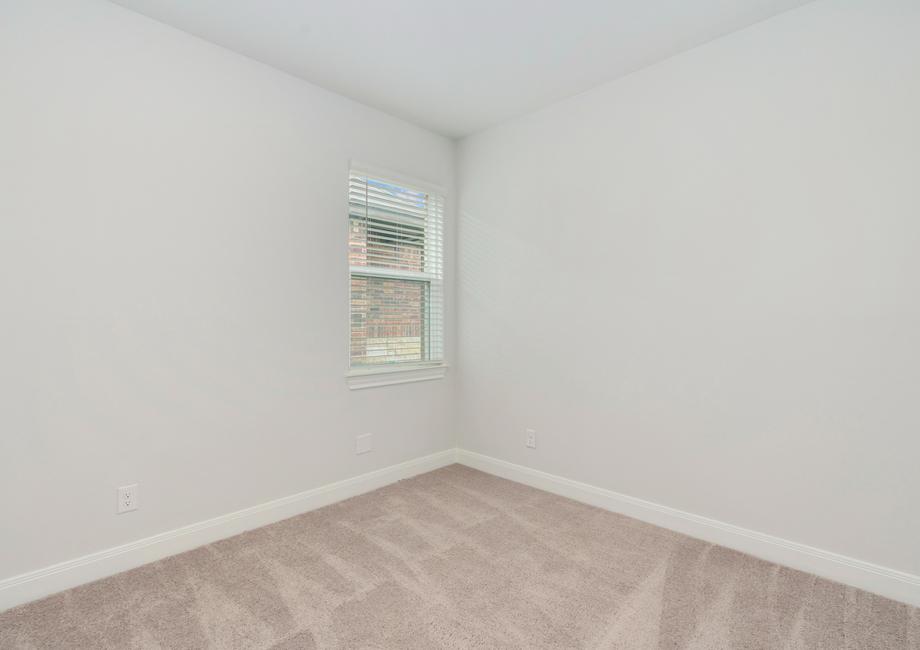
(531, 439)
(364, 443)
(127, 498)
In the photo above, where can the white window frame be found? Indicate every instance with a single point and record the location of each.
(364, 377)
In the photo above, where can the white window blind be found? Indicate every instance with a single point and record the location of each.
(395, 256)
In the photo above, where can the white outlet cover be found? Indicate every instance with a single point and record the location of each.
(531, 440)
(364, 443)
(127, 498)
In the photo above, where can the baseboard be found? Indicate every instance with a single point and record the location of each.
(894, 584)
(891, 583)
(43, 582)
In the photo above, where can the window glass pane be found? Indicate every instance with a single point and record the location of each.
(388, 225)
(389, 319)
(387, 243)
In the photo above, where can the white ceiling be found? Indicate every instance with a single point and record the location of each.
(458, 66)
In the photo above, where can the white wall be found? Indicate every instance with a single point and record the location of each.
(173, 282)
(701, 283)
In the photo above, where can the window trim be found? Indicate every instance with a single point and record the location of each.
(389, 175)
(406, 374)
(372, 377)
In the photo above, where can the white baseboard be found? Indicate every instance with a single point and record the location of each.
(43, 582)
(891, 583)
(897, 585)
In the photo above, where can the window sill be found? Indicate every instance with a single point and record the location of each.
(372, 378)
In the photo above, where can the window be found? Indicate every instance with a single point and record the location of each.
(395, 257)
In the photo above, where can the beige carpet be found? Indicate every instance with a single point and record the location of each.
(460, 559)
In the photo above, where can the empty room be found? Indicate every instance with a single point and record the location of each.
(459, 324)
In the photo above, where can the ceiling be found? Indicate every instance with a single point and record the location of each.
(459, 66)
